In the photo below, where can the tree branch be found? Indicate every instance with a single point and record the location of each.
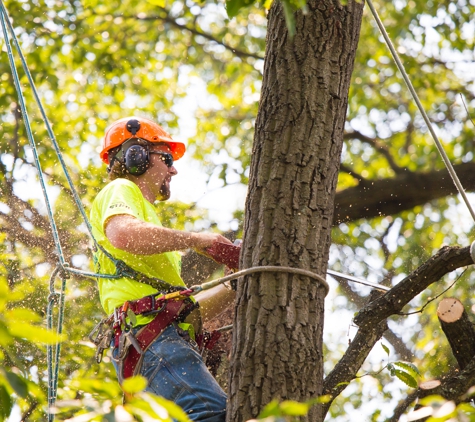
(345, 370)
(29, 411)
(351, 172)
(379, 146)
(444, 261)
(372, 321)
(403, 192)
(195, 31)
(398, 345)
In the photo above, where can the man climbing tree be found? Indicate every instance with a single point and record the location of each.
(140, 157)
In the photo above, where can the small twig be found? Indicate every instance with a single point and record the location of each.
(383, 244)
(195, 31)
(434, 298)
(372, 373)
(29, 411)
(378, 146)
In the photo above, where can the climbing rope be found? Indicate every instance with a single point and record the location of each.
(6, 21)
(401, 68)
(53, 351)
(21, 100)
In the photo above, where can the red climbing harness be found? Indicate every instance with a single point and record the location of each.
(130, 345)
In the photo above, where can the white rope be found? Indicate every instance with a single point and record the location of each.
(358, 280)
(400, 66)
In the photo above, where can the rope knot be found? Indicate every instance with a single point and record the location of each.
(53, 298)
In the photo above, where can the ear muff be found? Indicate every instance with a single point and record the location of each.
(133, 156)
(136, 159)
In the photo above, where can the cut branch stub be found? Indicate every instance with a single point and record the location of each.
(444, 261)
(429, 385)
(458, 329)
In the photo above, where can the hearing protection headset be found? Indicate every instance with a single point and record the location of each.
(134, 154)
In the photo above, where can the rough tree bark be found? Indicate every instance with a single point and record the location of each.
(277, 340)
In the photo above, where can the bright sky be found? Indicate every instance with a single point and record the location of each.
(190, 185)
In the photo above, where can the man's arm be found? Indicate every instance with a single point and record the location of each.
(138, 237)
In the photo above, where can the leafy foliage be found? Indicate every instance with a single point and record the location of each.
(288, 409)
(104, 402)
(96, 61)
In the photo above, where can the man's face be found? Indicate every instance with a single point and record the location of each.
(158, 175)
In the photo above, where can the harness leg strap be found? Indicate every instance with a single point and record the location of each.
(146, 335)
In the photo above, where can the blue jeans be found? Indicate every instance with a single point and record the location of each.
(176, 371)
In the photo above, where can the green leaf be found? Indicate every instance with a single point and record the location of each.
(325, 398)
(6, 403)
(385, 348)
(132, 317)
(35, 334)
(17, 383)
(341, 384)
(409, 367)
(97, 386)
(22, 315)
(5, 337)
(293, 408)
(175, 411)
(406, 378)
(286, 408)
(234, 6)
(270, 409)
(433, 400)
(467, 408)
(134, 384)
(268, 4)
(156, 407)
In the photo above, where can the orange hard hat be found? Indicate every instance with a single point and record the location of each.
(138, 127)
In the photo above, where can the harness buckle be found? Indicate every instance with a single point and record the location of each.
(126, 340)
(154, 311)
(101, 336)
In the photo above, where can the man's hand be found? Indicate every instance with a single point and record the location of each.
(205, 240)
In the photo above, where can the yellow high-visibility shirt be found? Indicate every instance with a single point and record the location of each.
(122, 196)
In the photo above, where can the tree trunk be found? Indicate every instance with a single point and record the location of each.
(277, 340)
(458, 329)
